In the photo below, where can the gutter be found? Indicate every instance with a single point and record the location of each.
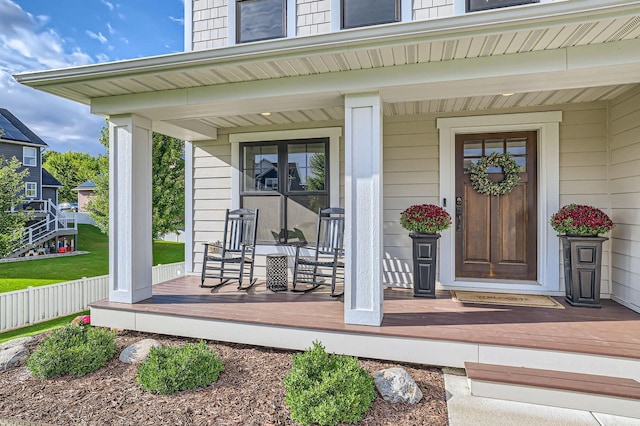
(498, 20)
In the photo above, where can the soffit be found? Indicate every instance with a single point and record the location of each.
(337, 57)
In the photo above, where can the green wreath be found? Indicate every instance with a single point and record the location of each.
(480, 179)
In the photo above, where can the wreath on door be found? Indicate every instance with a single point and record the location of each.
(480, 178)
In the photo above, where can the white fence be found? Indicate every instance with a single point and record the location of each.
(37, 304)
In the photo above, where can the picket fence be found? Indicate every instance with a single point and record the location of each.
(37, 304)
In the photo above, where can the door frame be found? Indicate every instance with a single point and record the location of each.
(547, 124)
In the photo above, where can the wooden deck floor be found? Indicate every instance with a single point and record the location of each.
(612, 330)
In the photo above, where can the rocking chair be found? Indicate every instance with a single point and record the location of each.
(232, 259)
(328, 255)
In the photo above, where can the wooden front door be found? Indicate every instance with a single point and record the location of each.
(496, 235)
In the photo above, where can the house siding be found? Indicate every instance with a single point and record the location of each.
(313, 17)
(430, 9)
(210, 26)
(411, 176)
(625, 198)
(9, 150)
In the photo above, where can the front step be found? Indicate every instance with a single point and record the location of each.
(601, 394)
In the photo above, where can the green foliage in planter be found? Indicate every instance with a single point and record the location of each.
(169, 369)
(74, 349)
(327, 389)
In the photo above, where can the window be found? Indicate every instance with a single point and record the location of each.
(360, 13)
(31, 190)
(29, 156)
(477, 5)
(287, 181)
(260, 20)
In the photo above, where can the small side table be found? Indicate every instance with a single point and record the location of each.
(277, 272)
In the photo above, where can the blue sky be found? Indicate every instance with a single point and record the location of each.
(47, 34)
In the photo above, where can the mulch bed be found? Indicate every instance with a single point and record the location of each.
(249, 392)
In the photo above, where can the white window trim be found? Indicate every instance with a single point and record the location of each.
(24, 156)
(547, 124)
(460, 7)
(406, 14)
(290, 22)
(333, 133)
(35, 189)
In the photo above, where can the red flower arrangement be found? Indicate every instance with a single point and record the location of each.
(578, 219)
(425, 218)
(82, 320)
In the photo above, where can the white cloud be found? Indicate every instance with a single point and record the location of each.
(108, 4)
(99, 36)
(178, 20)
(26, 44)
(110, 28)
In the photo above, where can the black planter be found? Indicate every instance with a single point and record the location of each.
(425, 256)
(582, 258)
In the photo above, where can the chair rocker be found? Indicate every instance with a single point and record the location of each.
(233, 259)
(328, 255)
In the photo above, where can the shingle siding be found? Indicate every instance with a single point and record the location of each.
(9, 150)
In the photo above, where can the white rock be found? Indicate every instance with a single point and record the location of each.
(21, 341)
(396, 385)
(138, 352)
(13, 357)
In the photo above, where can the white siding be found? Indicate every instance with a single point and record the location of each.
(429, 9)
(313, 17)
(209, 24)
(625, 198)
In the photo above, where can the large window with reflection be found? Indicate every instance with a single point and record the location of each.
(260, 20)
(361, 13)
(477, 5)
(288, 182)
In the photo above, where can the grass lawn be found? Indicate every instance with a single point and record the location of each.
(38, 328)
(20, 275)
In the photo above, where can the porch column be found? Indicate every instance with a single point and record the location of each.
(130, 244)
(363, 209)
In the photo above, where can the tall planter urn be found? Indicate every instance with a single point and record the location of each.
(582, 258)
(424, 222)
(582, 251)
(425, 261)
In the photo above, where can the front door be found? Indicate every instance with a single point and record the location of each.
(496, 234)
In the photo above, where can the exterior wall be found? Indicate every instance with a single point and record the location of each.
(429, 9)
(83, 199)
(9, 150)
(411, 174)
(209, 24)
(313, 17)
(625, 199)
(50, 194)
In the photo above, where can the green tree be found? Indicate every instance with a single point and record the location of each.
(315, 182)
(12, 223)
(168, 185)
(71, 169)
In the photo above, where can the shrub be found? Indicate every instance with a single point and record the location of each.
(169, 369)
(579, 219)
(426, 218)
(74, 349)
(327, 389)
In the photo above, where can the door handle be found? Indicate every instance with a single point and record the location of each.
(458, 214)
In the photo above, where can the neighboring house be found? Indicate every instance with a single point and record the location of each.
(41, 188)
(85, 191)
(399, 97)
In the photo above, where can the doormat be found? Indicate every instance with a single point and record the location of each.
(509, 299)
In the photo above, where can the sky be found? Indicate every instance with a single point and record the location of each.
(47, 34)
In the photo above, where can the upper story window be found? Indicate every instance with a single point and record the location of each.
(29, 156)
(361, 13)
(477, 5)
(260, 20)
(31, 190)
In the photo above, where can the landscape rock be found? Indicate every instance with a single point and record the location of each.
(396, 385)
(138, 352)
(21, 341)
(13, 357)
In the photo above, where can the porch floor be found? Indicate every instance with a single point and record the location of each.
(612, 330)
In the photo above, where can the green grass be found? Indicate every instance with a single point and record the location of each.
(20, 275)
(39, 328)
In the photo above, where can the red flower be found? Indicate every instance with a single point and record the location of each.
(82, 320)
(581, 220)
(427, 218)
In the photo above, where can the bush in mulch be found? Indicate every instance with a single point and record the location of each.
(74, 349)
(327, 389)
(170, 369)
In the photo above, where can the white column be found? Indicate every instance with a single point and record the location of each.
(130, 242)
(188, 206)
(363, 298)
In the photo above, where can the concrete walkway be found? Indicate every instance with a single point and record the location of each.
(467, 410)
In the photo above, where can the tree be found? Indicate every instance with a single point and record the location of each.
(71, 169)
(12, 223)
(168, 185)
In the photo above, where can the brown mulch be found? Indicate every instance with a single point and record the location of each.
(249, 392)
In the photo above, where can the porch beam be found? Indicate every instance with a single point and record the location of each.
(130, 242)
(363, 300)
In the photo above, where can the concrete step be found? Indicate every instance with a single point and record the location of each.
(601, 394)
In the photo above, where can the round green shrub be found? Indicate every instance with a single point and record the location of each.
(169, 369)
(327, 389)
(74, 349)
